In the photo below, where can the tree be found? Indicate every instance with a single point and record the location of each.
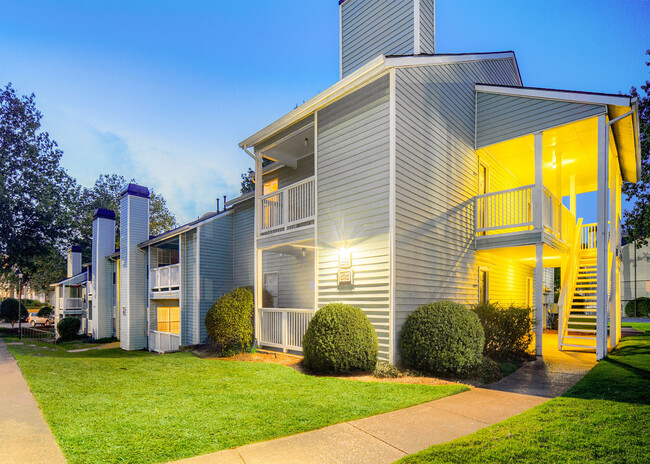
(50, 268)
(9, 310)
(248, 178)
(36, 194)
(636, 222)
(105, 193)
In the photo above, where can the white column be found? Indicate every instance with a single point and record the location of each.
(257, 287)
(539, 298)
(538, 189)
(572, 194)
(601, 240)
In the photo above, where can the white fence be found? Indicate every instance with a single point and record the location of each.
(288, 207)
(508, 209)
(589, 235)
(166, 277)
(163, 342)
(284, 327)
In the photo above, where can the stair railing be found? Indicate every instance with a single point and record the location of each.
(568, 283)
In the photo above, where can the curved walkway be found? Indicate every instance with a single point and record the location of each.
(390, 436)
(25, 436)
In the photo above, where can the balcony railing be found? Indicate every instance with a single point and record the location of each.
(512, 211)
(73, 304)
(289, 207)
(284, 327)
(165, 278)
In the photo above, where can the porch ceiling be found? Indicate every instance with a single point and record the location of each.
(577, 145)
(526, 255)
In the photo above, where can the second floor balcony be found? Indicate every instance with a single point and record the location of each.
(289, 208)
(165, 278)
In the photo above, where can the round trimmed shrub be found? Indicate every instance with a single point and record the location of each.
(340, 338)
(490, 371)
(642, 307)
(442, 337)
(9, 310)
(45, 311)
(68, 327)
(229, 322)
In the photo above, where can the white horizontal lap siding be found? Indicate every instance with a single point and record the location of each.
(373, 28)
(353, 133)
(427, 27)
(295, 277)
(436, 181)
(188, 287)
(216, 266)
(287, 175)
(243, 244)
(507, 278)
(504, 117)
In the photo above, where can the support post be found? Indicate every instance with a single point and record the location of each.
(257, 284)
(612, 252)
(601, 240)
(572, 195)
(538, 189)
(539, 298)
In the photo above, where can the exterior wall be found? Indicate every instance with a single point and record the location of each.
(269, 142)
(295, 277)
(507, 279)
(102, 277)
(436, 181)
(243, 244)
(215, 266)
(427, 27)
(504, 117)
(353, 210)
(370, 28)
(188, 297)
(134, 229)
(628, 277)
(287, 175)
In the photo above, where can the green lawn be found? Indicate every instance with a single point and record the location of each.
(604, 418)
(113, 406)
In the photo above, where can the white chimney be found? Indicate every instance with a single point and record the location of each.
(134, 229)
(74, 261)
(102, 273)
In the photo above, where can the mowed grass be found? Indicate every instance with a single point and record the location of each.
(604, 418)
(112, 406)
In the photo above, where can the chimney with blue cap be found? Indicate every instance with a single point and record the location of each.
(134, 229)
(74, 261)
(102, 273)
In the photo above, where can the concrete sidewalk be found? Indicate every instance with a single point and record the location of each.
(390, 436)
(25, 437)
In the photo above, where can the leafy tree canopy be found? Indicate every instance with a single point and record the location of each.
(36, 194)
(636, 222)
(248, 178)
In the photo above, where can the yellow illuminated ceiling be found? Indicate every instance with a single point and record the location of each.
(576, 143)
(525, 255)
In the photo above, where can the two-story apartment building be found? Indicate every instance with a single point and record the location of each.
(422, 176)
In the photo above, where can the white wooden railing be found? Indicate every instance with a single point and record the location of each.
(568, 284)
(163, 342)
(589, 235)
(284, 327)
(507, 209)
(76, 304)
(165, 277)
(288, 207)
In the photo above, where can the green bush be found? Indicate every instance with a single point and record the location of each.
(45, 311)
(9, 310)
(229, 322)
(340, 338)
(385, 370)
(442, 337)
(68, 328)
(642, 309)
(490, 371)
(508, 329)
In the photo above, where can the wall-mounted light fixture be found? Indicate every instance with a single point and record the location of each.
(345, 258)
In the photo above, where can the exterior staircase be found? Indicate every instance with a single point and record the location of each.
(580, 328)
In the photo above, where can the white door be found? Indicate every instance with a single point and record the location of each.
(271, 286)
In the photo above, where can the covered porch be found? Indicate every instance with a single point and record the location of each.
(540, 153)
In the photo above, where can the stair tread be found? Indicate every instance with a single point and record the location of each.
(580, 337)
(573, 345)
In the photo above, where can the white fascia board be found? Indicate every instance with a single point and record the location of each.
(182, 230)
(358, 78)
(550, 94)
(240, 199)
(427, 60)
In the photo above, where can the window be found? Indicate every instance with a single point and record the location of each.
(167, 257)
(483, 286)
(169, 319)
(270, 186)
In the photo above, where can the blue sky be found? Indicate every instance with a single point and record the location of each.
(163, 91)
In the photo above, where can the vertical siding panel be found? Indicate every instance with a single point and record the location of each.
(188, 287)
(353, 187)
(243, 244)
